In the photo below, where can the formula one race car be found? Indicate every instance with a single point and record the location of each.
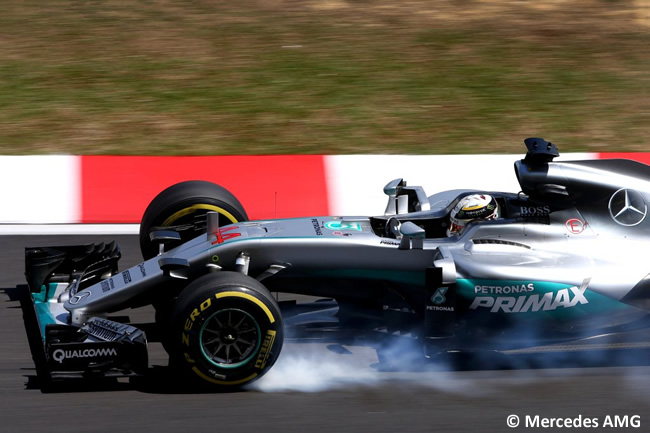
(561, 259)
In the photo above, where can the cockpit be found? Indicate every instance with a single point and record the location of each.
(432, 214)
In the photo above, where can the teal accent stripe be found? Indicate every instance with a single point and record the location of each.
(561, 300)
(44, 317)
(408, 277)
(41, 307)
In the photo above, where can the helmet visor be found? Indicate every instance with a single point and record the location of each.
(455, 228)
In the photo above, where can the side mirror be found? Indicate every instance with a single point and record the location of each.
(174, 267)
(412, 236)
(394, 187)
(163, 237)
(403, 199)
(397, 202)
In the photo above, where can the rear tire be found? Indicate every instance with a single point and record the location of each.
(227, 330)
(182, 204)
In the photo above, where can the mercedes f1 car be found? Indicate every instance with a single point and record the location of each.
(564, 258)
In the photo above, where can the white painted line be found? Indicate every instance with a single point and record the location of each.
(68, 229)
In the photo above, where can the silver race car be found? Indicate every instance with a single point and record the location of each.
(562, 259)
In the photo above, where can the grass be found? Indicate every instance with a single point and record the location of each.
(258, 77)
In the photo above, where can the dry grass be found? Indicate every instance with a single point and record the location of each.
(322, 76)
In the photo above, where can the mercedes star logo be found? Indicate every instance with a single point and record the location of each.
(79, 297)
(627, 207)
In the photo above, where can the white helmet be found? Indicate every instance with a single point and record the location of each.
(474, 207)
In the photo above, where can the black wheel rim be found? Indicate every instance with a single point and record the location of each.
(230, 338)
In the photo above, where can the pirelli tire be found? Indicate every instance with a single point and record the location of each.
(184, 203)
(227, 330)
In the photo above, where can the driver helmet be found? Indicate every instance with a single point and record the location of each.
(474, 207)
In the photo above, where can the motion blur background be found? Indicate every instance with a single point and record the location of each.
(217, 77)
(209, 77)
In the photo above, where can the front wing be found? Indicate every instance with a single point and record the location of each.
(99, 348)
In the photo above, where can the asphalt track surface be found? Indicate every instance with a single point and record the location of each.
(314, 387)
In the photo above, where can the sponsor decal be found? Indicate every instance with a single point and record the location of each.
(392, 243)
(538, 298)
(316, 225)
(143, 271)
(126, 275)
(79, 297)
(475, 206)
(474, 211)
(224, 234)
(575, 226)
(60, 355)
(564, 298)
(535, 210)
(627, 207)
(107, 285)
(189, 322)
(439, 308)
(342, 225)
(265, 350)
(439, 298)
(504, 290)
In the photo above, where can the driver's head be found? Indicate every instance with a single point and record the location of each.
(474, 207)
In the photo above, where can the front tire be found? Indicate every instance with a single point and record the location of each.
(183, 204)
(227, 330)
